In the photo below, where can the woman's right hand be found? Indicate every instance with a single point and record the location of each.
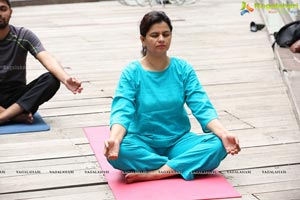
(112, 145)
(111, 149)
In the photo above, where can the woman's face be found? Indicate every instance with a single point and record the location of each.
(158, 39)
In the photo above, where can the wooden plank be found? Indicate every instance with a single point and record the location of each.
(60, 152)
(244, 197)
(77, 110)
(84, 161)
(278, 195)
(267, 136)
(269, 187)
(264, 136)
(38, 150)
(48, 169)
(55, 133)
(37, 181)
(25, 137)
(249, 177)
(82, 192)
(78, 103)
(263, 156)
(40, 144)
(80, 196)
(79, 121)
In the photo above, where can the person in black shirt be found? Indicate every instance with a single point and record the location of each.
(19, 100)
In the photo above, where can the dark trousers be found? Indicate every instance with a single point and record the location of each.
(31, 96)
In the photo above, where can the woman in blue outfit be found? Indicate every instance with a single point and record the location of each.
(150, 134)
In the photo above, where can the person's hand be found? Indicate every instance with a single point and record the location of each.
(111, 149)
(73, 85)
(231, 144)
(295, 47)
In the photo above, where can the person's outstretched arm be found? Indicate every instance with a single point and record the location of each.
(51, 64)
(205, 113)
(122, 113)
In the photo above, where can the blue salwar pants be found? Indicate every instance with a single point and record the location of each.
(190, 154)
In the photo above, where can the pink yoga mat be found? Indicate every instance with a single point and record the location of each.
(213, 186)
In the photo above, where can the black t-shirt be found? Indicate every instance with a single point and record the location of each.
(13, 55)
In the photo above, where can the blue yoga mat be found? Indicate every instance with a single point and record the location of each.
(38, 125)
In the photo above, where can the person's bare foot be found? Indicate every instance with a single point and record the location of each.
(136, 177)
(24, 118)
(148, 176)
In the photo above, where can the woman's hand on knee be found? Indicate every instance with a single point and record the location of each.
(111, 149)
(231, 144)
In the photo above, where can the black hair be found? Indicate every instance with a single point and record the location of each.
(151, 18)
(7, 2)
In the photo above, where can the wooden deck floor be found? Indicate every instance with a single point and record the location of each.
(94, 41)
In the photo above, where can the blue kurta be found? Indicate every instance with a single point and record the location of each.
(150, 105)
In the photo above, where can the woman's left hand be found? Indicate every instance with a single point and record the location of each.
(231, 144)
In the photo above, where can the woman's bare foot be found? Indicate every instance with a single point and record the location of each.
(164, 172)
(24, 118)
(136, 177)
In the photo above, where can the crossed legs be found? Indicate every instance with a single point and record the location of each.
(22, 103)
(190, 154)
